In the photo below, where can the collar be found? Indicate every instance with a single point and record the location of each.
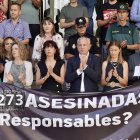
(19, 20)
(86, 55)
(127, 24)
(86, 35)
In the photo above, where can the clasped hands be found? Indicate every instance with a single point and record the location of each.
(83, 62)
(50, 72)
(112, 72)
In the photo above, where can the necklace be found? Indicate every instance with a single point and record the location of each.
(114, 64)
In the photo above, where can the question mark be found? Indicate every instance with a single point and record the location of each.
(128, 116)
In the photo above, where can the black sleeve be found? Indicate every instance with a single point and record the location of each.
(71, 73)
(68, 46)
(99, 12)
(95, 49)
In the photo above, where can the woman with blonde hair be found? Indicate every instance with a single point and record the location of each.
(18, 71)
(47, 33)
(114, 69)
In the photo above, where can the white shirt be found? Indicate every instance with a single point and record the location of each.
(79, 72)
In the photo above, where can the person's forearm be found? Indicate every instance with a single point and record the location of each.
(20, 1)
(42, 80)
(133, 47)
(4, 9)
(105, 81)
(25, 42)
(66, 25)
(122, 81)
(57, 78)
(101, 23)
(68, 56)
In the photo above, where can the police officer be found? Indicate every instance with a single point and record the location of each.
(124, 32)
(81, 28)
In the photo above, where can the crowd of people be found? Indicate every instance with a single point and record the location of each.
(33, 50)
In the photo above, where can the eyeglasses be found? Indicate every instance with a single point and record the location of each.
(9, 44)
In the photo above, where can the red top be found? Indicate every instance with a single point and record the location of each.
(2, 14)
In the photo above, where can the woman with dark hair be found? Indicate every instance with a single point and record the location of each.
(47, 33)
(114, 69)
(51, 70)
(18, 71)
(5, 53)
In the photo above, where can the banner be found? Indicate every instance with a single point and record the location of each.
(40, 115)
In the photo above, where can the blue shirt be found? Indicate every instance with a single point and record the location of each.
(135, 12)
(20, 31)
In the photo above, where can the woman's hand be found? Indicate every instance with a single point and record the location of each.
(115, 73)
(110, 73)
(10, 77)
(50, 70)
(21, 77)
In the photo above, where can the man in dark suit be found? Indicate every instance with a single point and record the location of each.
(83, 70)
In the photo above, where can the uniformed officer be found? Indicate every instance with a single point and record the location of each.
(124, 32)
(81, 27)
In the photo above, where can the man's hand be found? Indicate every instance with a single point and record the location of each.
(84, 61)
(124, 44)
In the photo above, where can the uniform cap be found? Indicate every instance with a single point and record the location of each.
(81, 21)
(123, 7)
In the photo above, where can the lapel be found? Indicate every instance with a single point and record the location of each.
(89, 61)
(77, 60)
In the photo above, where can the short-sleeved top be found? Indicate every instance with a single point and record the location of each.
(16, 70)
(51, 84)
(119, 69)
(2, 14)
(19, 31)
(70, 13)
(72, 43)
(102, 14)
(29, 13)
(119, 33)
